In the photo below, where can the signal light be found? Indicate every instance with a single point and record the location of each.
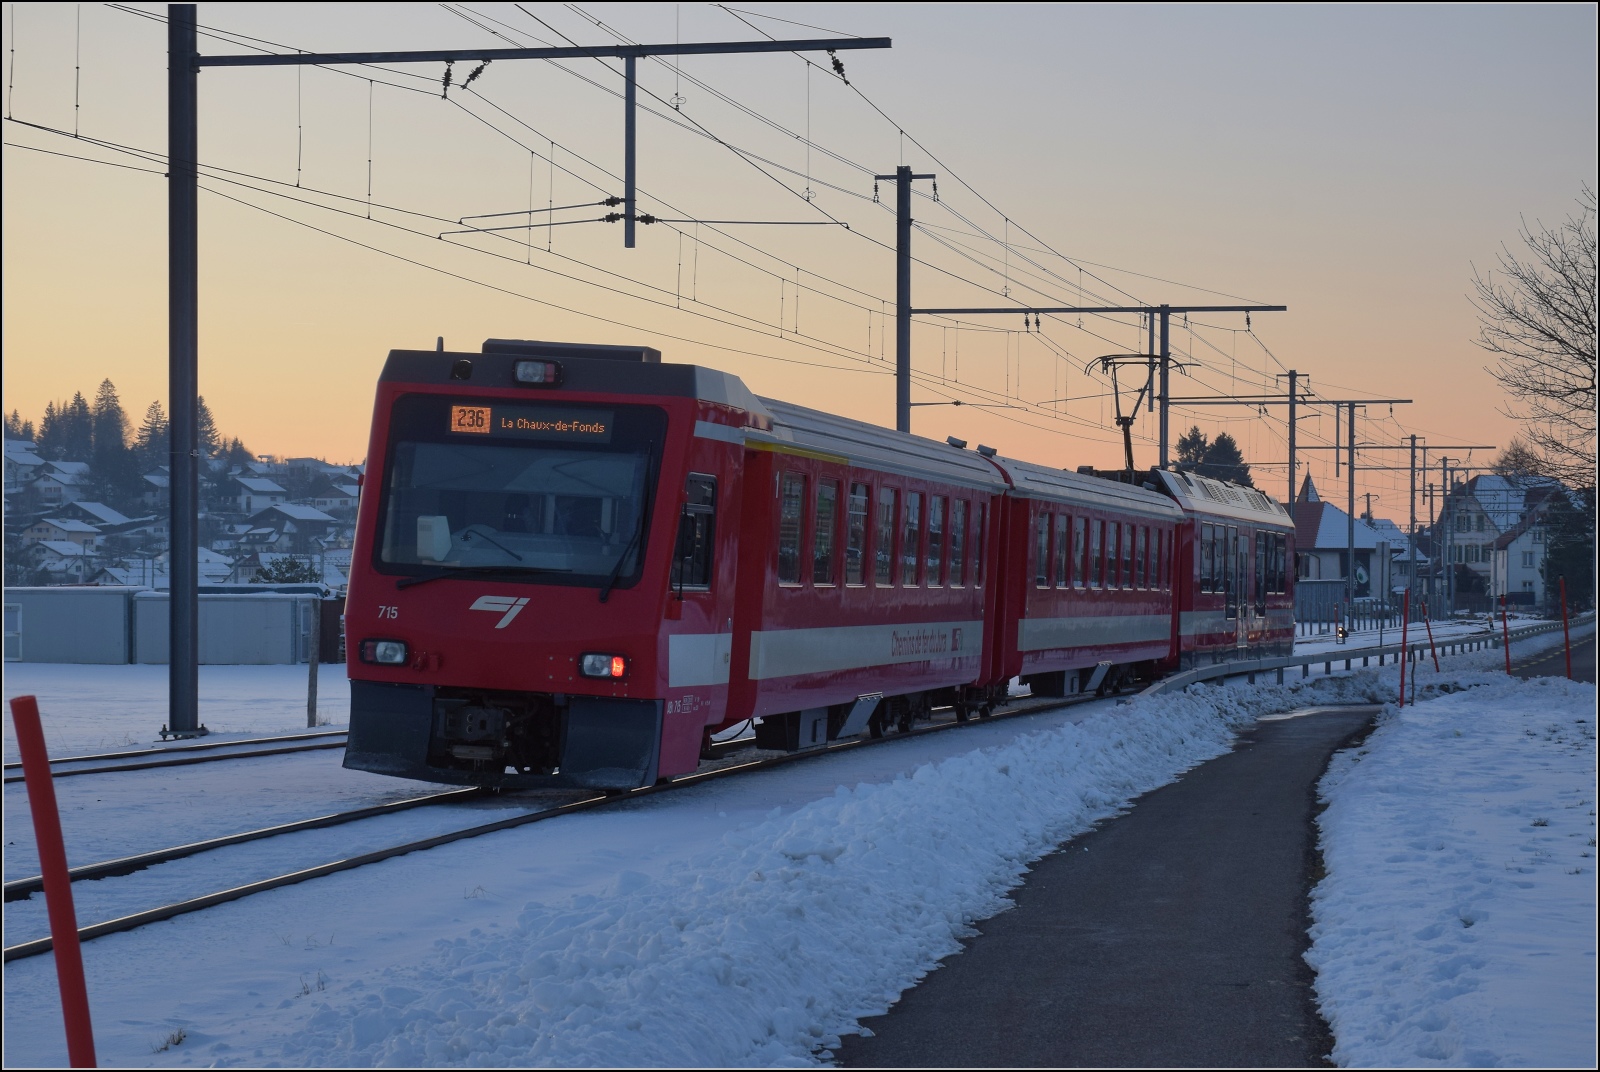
(596, 664)
(537, 373)
(384, 652)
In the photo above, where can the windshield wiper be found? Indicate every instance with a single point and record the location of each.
(501, 572)
(638, 528)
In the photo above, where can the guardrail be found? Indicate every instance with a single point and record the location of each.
(1383, 653)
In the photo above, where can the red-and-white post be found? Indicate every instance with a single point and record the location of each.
(57, 884)
(1405, 652)
(1505, 631)
(1566, 633)
(1427, 621)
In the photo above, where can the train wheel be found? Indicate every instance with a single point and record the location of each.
(962, 712)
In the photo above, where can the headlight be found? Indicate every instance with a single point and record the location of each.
(387, 652)
(599, 665)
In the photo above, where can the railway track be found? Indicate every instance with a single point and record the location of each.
(730, 758)
(185, 755)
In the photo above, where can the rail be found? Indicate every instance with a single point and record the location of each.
(1247, 667)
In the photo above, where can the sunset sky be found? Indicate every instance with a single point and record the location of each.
(1351, 162)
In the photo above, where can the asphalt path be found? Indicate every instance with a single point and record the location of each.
(1170, 936)
(1554, 663)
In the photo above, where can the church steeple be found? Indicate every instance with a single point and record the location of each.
(1308, 491)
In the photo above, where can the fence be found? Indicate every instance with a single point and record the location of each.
(1415, 650)
(119, 625)
(1320, 608)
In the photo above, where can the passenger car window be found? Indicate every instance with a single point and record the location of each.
(911, 541)
(958, 542)
(883, 538)
(824, 531)
(856, 536)
(791, 505)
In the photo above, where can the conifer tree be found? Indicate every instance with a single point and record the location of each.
(77, 429)
(1192, 447)
(150, 442)
(1224, 461)
(110, 426)
(205, 429)
(49, 443)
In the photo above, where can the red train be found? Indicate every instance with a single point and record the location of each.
(574, 563)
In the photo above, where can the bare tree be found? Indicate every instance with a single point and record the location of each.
(1520, 464)
(1538, 316)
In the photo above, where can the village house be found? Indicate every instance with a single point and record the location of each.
(255, 493)
(68, 529)
(61, 482)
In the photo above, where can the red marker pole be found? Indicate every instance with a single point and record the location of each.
(1427, 621)
(57, 886)
(1566, 633)
(1405, 653)
(1505, 631)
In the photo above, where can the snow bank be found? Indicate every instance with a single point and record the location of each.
(1456, 926)
(765, 949)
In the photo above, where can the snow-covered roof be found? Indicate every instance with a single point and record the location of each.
(1504, 500)
(1388, 530)
(69, 524)
(64, 548)
(259, 485)
(1322, 526)
(102, 513)
(294, 511)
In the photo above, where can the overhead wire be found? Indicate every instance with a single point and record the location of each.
(1051, 344)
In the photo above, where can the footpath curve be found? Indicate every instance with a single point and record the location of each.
(1171, 936)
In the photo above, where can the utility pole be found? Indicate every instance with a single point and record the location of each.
(1411, 527)
(183, 363)
(1447, 523)
(1350, 521)
(902, 178)
(1294, 383)
(184, 62)
(1166, 373)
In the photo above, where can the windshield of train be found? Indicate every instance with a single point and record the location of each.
(558, 492)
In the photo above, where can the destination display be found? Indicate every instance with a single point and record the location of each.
(533, 422)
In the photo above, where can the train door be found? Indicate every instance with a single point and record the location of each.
(1237, 583)
(1260, 579)
(700, 612)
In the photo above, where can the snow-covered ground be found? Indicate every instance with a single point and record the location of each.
(87, 709)
(750, 920)
(1456, 926)
(1442, 631)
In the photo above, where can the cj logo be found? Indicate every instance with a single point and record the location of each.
(510, 604)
